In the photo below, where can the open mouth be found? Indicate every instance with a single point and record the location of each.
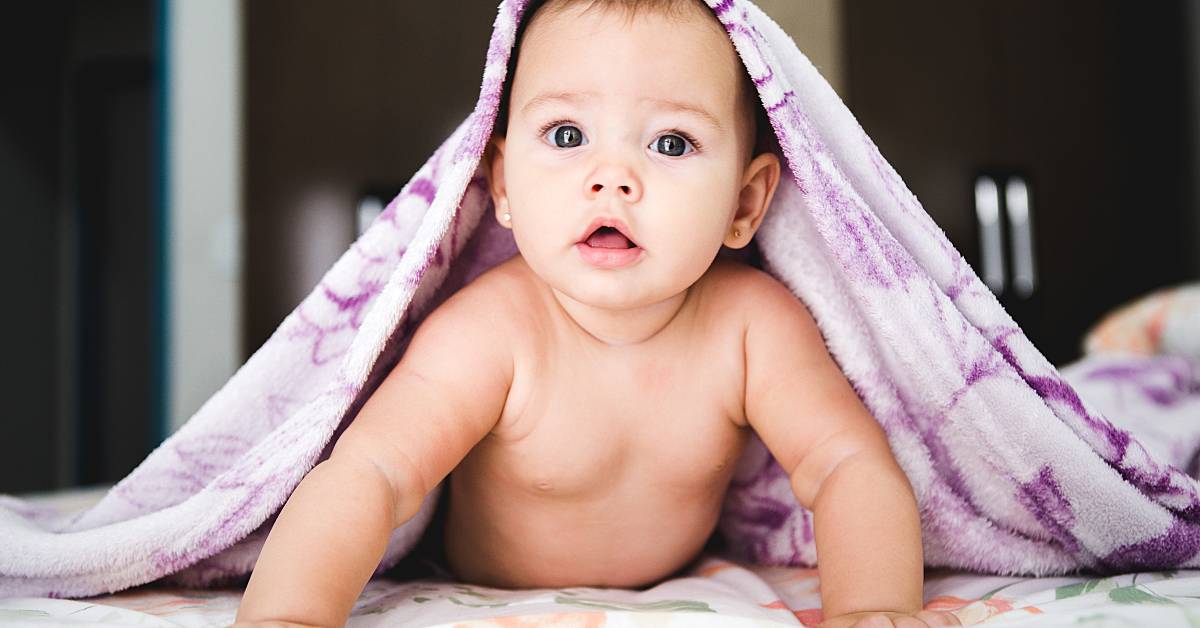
(609, 238)
(608, 245)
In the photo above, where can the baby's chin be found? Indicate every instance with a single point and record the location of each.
(648, 281)
(616, 291)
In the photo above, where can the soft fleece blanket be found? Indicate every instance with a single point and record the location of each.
(1014, 471)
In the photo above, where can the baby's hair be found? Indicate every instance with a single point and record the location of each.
(764, 137)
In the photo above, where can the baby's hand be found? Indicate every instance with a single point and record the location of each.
(271, 624)
(878, 619)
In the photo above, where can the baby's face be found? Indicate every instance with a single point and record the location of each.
(592, 133)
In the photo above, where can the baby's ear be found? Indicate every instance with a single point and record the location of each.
(758, 187)
(493, 167)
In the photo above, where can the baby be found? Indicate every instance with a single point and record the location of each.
(593, 393)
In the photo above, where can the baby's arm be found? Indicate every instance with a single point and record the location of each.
(444, 396)
(866, 523)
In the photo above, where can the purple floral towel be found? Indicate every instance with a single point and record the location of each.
(1013, 471)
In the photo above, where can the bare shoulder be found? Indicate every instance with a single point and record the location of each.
(505, 298)
(773, 312)
(495, 316)
(490, 302)
(736, 298)
(797, 398)
(753, 294)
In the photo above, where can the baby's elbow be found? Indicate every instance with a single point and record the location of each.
(812, 477)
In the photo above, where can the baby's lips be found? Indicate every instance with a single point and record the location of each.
(607, 221)
(610, 239)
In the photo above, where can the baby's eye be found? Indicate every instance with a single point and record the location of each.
(567, 136)
(671, 145)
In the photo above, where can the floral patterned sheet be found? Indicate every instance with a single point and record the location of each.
(715, 592)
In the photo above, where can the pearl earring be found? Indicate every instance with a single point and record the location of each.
(507, 216)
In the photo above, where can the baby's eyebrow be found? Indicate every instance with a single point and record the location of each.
(663, 103)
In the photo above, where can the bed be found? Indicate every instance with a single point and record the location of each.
(716, 591)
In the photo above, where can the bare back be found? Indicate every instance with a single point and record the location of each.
(608, 464)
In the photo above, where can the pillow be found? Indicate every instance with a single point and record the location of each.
(1164, 321)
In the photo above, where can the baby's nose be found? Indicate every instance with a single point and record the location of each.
(618, 180)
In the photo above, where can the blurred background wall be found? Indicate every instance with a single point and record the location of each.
(177, 175)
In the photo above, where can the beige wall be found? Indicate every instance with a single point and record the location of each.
(816, 25)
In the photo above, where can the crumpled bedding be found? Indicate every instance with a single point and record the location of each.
(718, 592)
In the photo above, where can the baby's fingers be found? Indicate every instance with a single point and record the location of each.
(920, 619)
(938, 618)
(890, 620)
